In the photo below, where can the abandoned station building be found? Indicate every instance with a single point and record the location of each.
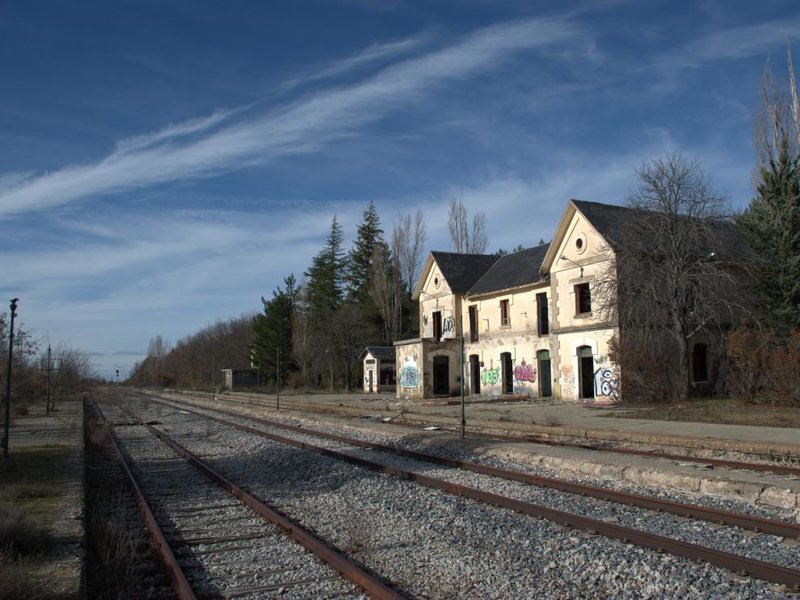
(528, 320)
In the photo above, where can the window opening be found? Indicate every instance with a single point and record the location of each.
(583, 299)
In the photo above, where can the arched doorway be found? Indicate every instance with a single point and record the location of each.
(441, 375)
(586, 372)
(475, 373)
(507, 373)
(545, 375)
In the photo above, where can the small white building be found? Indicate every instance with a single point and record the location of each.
(379, 369)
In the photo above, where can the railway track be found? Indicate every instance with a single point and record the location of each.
(768, 466)
(785, 575)
(215, 539)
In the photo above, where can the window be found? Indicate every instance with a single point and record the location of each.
(437, 325)
(473, 323)
(583, 299)
(505, 315)
(700, 363)
(542, 316)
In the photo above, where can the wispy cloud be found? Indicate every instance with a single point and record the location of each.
(373, 54)
(732, 43)
(301, 127)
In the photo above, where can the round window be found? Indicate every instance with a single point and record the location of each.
(580, 243)
(436, 282)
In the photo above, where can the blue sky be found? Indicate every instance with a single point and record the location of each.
(164, 164)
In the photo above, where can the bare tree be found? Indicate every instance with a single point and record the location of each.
(677, 272)
(387, 290)
(408, 242)
(466, 239)
(778, 119)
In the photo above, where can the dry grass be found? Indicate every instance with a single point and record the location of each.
(717, 410)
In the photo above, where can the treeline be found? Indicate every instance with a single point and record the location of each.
(311, 332)
(196, 361)
(31, 381)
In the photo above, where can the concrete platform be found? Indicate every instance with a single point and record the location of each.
(56, 441)
(575, 423)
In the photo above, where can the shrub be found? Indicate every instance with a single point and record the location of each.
(20, 534)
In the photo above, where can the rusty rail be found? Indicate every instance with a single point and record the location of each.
(179, 582)
(733, 562)
(351, 571)
(760, 524)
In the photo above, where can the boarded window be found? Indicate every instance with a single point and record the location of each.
(505, 315)
(583, 299)
(542, 315)
(437, 325)
(700, 363)
(473, 323)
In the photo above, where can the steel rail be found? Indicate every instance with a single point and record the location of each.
(733, 562)
(717, 462)
(180, 583)
(535, 439)
(754, 523)
(351, 571)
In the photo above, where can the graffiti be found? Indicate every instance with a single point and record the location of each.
(490, 376)
(449, 327)
(524, 372)
(567, 375)
(408, 373)
(522, 389)
(606, 384)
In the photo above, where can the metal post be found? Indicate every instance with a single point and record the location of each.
(49, 365)
(8, 377)
(278, 381)
(463, 415)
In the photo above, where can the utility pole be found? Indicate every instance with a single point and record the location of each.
(8, 377)
(463, 415)
(278, 380)
(49, 366)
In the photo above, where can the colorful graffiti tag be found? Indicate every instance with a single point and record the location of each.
(525, 372)
(408, 373)
(606, 384)
(490, 376)
(448, 327)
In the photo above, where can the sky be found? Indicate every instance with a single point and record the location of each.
(164, 164)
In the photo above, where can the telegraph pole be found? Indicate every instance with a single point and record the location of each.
(49, 366)
(8, 377)
(278, 381)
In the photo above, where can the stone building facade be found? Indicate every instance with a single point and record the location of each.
(524, 324)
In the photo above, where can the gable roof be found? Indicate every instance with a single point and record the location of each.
(616, 224)
(510, 271)
(461, 271)
(380, 352)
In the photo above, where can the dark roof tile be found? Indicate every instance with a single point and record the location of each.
(462, 270)
(512, 271)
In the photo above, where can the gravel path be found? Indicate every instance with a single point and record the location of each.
(437, 545)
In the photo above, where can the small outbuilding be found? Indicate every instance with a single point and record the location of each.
(239, 378)
(380, 369)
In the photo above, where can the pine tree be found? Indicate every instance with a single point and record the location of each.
(325, 277)
(772, 225)
(359, 271)
(273, 332)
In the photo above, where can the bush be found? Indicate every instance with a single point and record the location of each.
(20, 534)
(761, 369)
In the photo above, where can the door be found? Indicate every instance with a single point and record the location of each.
(545, 376)
(371, 375)
(586, 372)
(475, 374)
(441, 376)
(507, 373)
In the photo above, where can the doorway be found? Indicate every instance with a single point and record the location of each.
(586, 372)
(441, 375)
(545, 376)
(507, 373)
(475, 374)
